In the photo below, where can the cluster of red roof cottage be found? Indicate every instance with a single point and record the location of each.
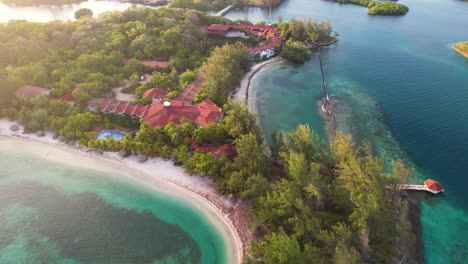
(269, 34)
(227, 150)
(30, 91)
(157, 63)
(161, 111)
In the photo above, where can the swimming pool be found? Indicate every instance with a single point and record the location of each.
(110, 133)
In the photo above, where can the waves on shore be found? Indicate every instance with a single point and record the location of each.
(91, 210)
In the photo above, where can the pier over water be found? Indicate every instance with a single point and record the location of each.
(225, 10)
(430, 185)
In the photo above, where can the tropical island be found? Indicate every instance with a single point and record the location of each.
(309, 201)
(378, 8)
(462, 47)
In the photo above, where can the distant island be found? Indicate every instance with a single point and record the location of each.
(378, 8)
(462, 47)
(39, 2)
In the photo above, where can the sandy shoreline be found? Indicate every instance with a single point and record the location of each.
(200, 192)
(244, 90)
(459, 51)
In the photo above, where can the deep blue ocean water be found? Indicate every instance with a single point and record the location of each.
(399, 85)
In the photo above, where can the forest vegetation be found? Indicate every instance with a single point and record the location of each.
(462, 47)
(378, 8)
(307, 30)
(89, 57)
(333, 204)
(302, 33)
(83, 12)
(294, 51)
(387, 9)
(325, 202)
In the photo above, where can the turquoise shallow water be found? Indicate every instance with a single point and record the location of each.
(398, 85)
(55, 213)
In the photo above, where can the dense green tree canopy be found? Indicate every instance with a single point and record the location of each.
(91, 53)
(336, 205)
(387, 9)
(294, 51)
(223, 70)
(82, 12)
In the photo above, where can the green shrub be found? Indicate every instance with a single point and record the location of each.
(387, 9)
(295, 52)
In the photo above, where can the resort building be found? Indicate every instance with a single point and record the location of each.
(270, 36)
(225, 31)
(433, 186)
(167, 111)
(157, 63)
(161, 111)
(191, 90)
(30, 91)
(227, 150)
(156, 94)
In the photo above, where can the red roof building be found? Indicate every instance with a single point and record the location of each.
(227, 150)
(433, 186)
(30, 91)
(219, 30)
(190, 90)
(209, 112)
(271, 36)
(140, 110)
(159, 62)
(155, 64)
(155, 93)
(160, 113)
(118, 107)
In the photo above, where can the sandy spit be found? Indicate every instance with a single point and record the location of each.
(244, 90)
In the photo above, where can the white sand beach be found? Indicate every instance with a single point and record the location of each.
(244, 91)
(161, 174)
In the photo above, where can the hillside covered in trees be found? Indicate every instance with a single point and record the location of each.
(91, 53)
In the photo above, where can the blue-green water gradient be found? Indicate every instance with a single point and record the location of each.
(55, 213)
(399, 85)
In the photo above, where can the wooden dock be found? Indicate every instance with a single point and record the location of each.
(431, 186)
(225, 10)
